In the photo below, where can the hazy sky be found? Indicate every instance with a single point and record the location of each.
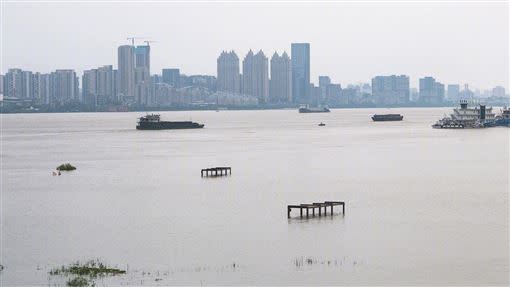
(454, 42)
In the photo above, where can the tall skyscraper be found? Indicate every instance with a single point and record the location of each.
(300, 55)
(126, 72)
(172, 77)
(89, 87)
(143, 57)
(390, 90)
(105, 85)
(27, 85)
(247, 77)
(142, 76)
(431, 92)
(255, 76)
(324, 82)
(228, 73)
(41, 88)
(280, 85)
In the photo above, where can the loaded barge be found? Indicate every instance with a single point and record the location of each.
(387, 117)
(306, 109)
(153, 122)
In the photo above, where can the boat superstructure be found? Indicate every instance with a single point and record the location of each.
(467, 117)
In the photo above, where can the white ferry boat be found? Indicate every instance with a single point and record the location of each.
(466, 117)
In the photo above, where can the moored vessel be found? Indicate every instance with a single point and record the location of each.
(467, 117)
(501, 120)
(387, 117)
(153, 122)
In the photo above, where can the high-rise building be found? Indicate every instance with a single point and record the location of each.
(126, 72)
(300, 56)
(13, 83)
(228, 77)
(89, 87)
(172, 77)
(349, 95)
(64, 86)
(255, 76)
(334, 94)
(247, 76)
(143, 57)
(105, 85)
(390, 90)
(280, 85)
(315, 94)
(42, 88)
(27, 85)
(431, 91)
(98, 86)
(453, 92)
(2, 85)
(324, 82)
(142, 76)
(498, 92)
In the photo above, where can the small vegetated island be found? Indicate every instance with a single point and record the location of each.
(83, 274)
(65, 167)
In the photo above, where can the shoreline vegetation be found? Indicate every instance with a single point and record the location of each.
(66, 167)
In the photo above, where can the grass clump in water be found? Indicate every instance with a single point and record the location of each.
(92, 268)
(66, 167)
(79, 282)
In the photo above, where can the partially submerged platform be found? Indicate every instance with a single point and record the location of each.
(216, 171)
(316, 205)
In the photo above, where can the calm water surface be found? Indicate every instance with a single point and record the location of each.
(423, 206)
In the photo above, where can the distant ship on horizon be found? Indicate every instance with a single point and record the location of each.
(306, 109)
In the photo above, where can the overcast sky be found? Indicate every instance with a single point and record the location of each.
(454, 42)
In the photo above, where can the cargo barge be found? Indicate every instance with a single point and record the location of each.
(153, 122)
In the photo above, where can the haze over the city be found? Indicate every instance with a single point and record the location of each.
(454, 42)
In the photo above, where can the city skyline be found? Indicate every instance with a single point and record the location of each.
(454, 57)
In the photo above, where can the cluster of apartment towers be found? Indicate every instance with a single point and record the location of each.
(288, 81)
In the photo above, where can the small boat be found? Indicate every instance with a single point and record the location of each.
(322, 124)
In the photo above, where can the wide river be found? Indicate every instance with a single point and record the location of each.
(423, 206)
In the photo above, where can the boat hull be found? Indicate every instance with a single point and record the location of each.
(311, 110)
(387, 118)
(168, 125)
